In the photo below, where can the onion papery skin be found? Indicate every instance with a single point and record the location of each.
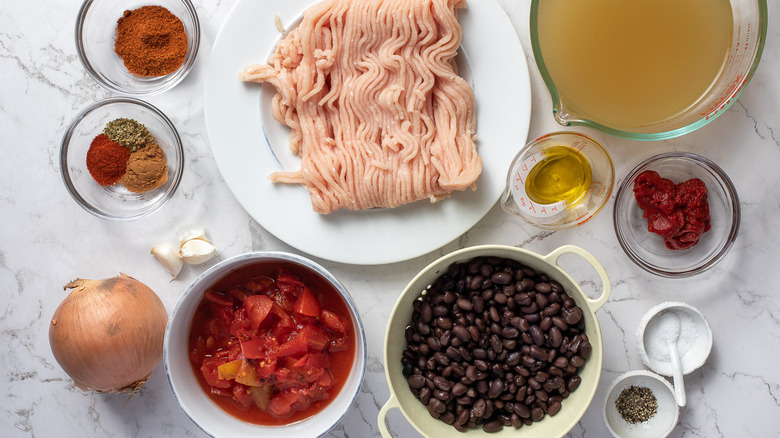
(107, 335)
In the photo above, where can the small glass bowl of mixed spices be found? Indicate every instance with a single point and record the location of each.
(137, 48)
(121, 159)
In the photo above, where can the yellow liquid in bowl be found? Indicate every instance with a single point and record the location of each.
(563, 175)
(632, 63)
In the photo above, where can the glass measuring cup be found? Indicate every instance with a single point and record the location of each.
(565, 213)
(744, 52)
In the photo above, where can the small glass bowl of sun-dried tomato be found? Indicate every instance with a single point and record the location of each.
(264, 341)
(676, 214)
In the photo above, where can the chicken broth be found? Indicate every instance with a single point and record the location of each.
(628, 64)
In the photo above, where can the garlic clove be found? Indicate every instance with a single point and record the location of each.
(190, 232)
(196, 251)
(168, 255)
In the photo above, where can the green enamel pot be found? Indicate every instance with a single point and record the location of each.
(574, 406)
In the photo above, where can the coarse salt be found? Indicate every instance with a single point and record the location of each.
(661, 330)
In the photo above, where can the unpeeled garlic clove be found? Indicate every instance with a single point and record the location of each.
(196, 251)
(190, 232)
(168, 255)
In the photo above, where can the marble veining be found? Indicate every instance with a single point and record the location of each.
(46, 240)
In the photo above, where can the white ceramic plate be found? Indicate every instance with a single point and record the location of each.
(249, 145)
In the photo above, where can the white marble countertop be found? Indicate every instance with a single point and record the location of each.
(47, 240)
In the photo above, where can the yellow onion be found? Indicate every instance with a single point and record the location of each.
(108, 334)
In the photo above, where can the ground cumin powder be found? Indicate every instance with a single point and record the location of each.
(146, 169)
(151, 41)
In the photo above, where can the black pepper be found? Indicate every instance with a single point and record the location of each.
(636, 404)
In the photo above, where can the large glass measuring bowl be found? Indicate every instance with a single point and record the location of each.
(748, 35)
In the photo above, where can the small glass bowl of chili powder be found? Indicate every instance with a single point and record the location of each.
(677, 175)
(114, 201)
(265, 344)
(137, 48)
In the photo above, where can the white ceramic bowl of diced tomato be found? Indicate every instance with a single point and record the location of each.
(265, 343)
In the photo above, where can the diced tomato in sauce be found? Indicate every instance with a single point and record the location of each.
(284, 336)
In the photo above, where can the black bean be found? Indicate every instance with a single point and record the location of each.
(479, 353)
(585, 349)
(538, 353)
(440, 310)
(561, 362)
(523, 299)
(416, 381)
(493, 426)
(437, 405)
(478, 304)
(442, 383)
(464, 304)
(528, 284)
(502, 278)
(542, 301)
(479, 408)
(441, 395)
(495, 344)
(510, 332)
(461, 333)
(552, 309)
(574, 383)
(571, 315)
(543, 287)
(521, 410)
(553, 408)
(537, 414)
(444, 323)
(513, 358)
(426, 313)
(463, 417)
(546, 323)
(536, 335)
(578, 361)
(441, 358)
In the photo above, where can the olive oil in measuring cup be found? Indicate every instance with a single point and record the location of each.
(562, 175)
(559, 180)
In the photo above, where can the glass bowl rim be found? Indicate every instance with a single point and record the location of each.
(164, 85)
(65, 145)
(724, 183)
(663, 135)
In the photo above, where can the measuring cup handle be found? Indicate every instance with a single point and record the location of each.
(391, 403)
(594, 304)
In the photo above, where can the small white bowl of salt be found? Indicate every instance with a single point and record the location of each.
(674, 326)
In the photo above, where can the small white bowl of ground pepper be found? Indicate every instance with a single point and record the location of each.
(640, 404)
(121, 159)
(137, 48)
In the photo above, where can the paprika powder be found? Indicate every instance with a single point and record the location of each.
(151, 41)
(107, 160)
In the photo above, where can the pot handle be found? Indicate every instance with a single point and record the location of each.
(391, 403)
(596, 304)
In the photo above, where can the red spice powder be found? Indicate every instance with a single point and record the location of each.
(107, 160)
(151, 41)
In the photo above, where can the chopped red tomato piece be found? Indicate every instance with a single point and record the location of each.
(307, 303)
(218, 299)
(242, 396)
(257, 308)
(295, 346)
(283, 403)
(332, 321)
(210, 373)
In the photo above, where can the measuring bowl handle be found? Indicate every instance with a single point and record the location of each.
(391, 403)
(606, 286)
